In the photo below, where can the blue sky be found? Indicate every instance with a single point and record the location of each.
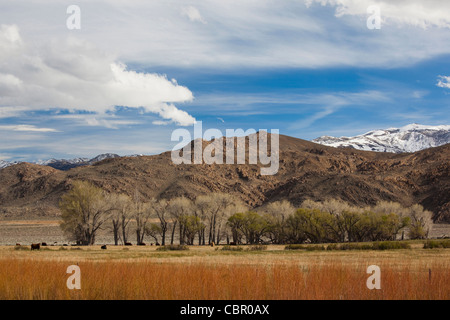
(134, 73)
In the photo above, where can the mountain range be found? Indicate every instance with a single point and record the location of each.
(306, 171)
(63, 164)
(410, 138)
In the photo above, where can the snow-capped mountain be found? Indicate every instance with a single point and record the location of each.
(410, 138)
(65, 164)
(102, 157)
(4, 164)
(52, 161)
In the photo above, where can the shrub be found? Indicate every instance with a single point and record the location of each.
(21, 248)
(390, 245)
(433, 244)
(332, 246)
(295, 247)
(354, 246)
(315, 248)
(173, 247)
(384, 245)
(231, 248)
(259, 247)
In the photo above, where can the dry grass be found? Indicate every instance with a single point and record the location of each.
(204, 273)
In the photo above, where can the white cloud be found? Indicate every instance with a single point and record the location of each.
(249, 34)
(193, 14)
(72, 74)
(25, 128)
(443, 82)
(417, 13)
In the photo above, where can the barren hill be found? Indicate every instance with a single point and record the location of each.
(307, 171)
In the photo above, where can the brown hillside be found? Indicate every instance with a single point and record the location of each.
(307, 171)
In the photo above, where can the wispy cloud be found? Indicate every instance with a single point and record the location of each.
(251, 34)
(26, 128)
(417, 13)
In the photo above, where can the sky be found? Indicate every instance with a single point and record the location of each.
(120, 76)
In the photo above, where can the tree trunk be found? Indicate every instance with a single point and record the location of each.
(173, 232)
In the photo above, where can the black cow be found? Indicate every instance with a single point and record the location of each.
(128, 244)
(35, 246)
(103, 247)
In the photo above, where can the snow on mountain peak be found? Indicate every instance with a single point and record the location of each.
(65, 164)
(410, 138)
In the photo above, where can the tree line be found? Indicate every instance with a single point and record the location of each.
(221, 218)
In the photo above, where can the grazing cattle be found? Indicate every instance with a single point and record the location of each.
(157, 244)
(232, 243)
(44, 244)
(128, 244)
(18, 244)
(35, 246)
(104, 247)
(141, 244)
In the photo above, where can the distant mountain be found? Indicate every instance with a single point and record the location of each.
(65, 164)
(410, 138)
(4, 164)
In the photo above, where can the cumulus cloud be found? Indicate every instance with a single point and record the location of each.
(443, 82)
(72, 74)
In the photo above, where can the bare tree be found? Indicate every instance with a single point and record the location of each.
(421, 222)
(84, 211)
(229, 205)
(122, 207)
(161, 209)
(179, 208)
(202, 205)
(215, 209)
(278, 212)
(142, 214)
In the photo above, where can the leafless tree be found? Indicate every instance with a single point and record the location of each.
(161, 209)
(278, 212)
(421, 222)
(84, 211)
(178, 209)
(142, 213)
(122, 207)
(215, 209)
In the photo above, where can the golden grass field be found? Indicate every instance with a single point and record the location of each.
(205, 273)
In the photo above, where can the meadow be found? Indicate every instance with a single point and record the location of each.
(209, 273)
